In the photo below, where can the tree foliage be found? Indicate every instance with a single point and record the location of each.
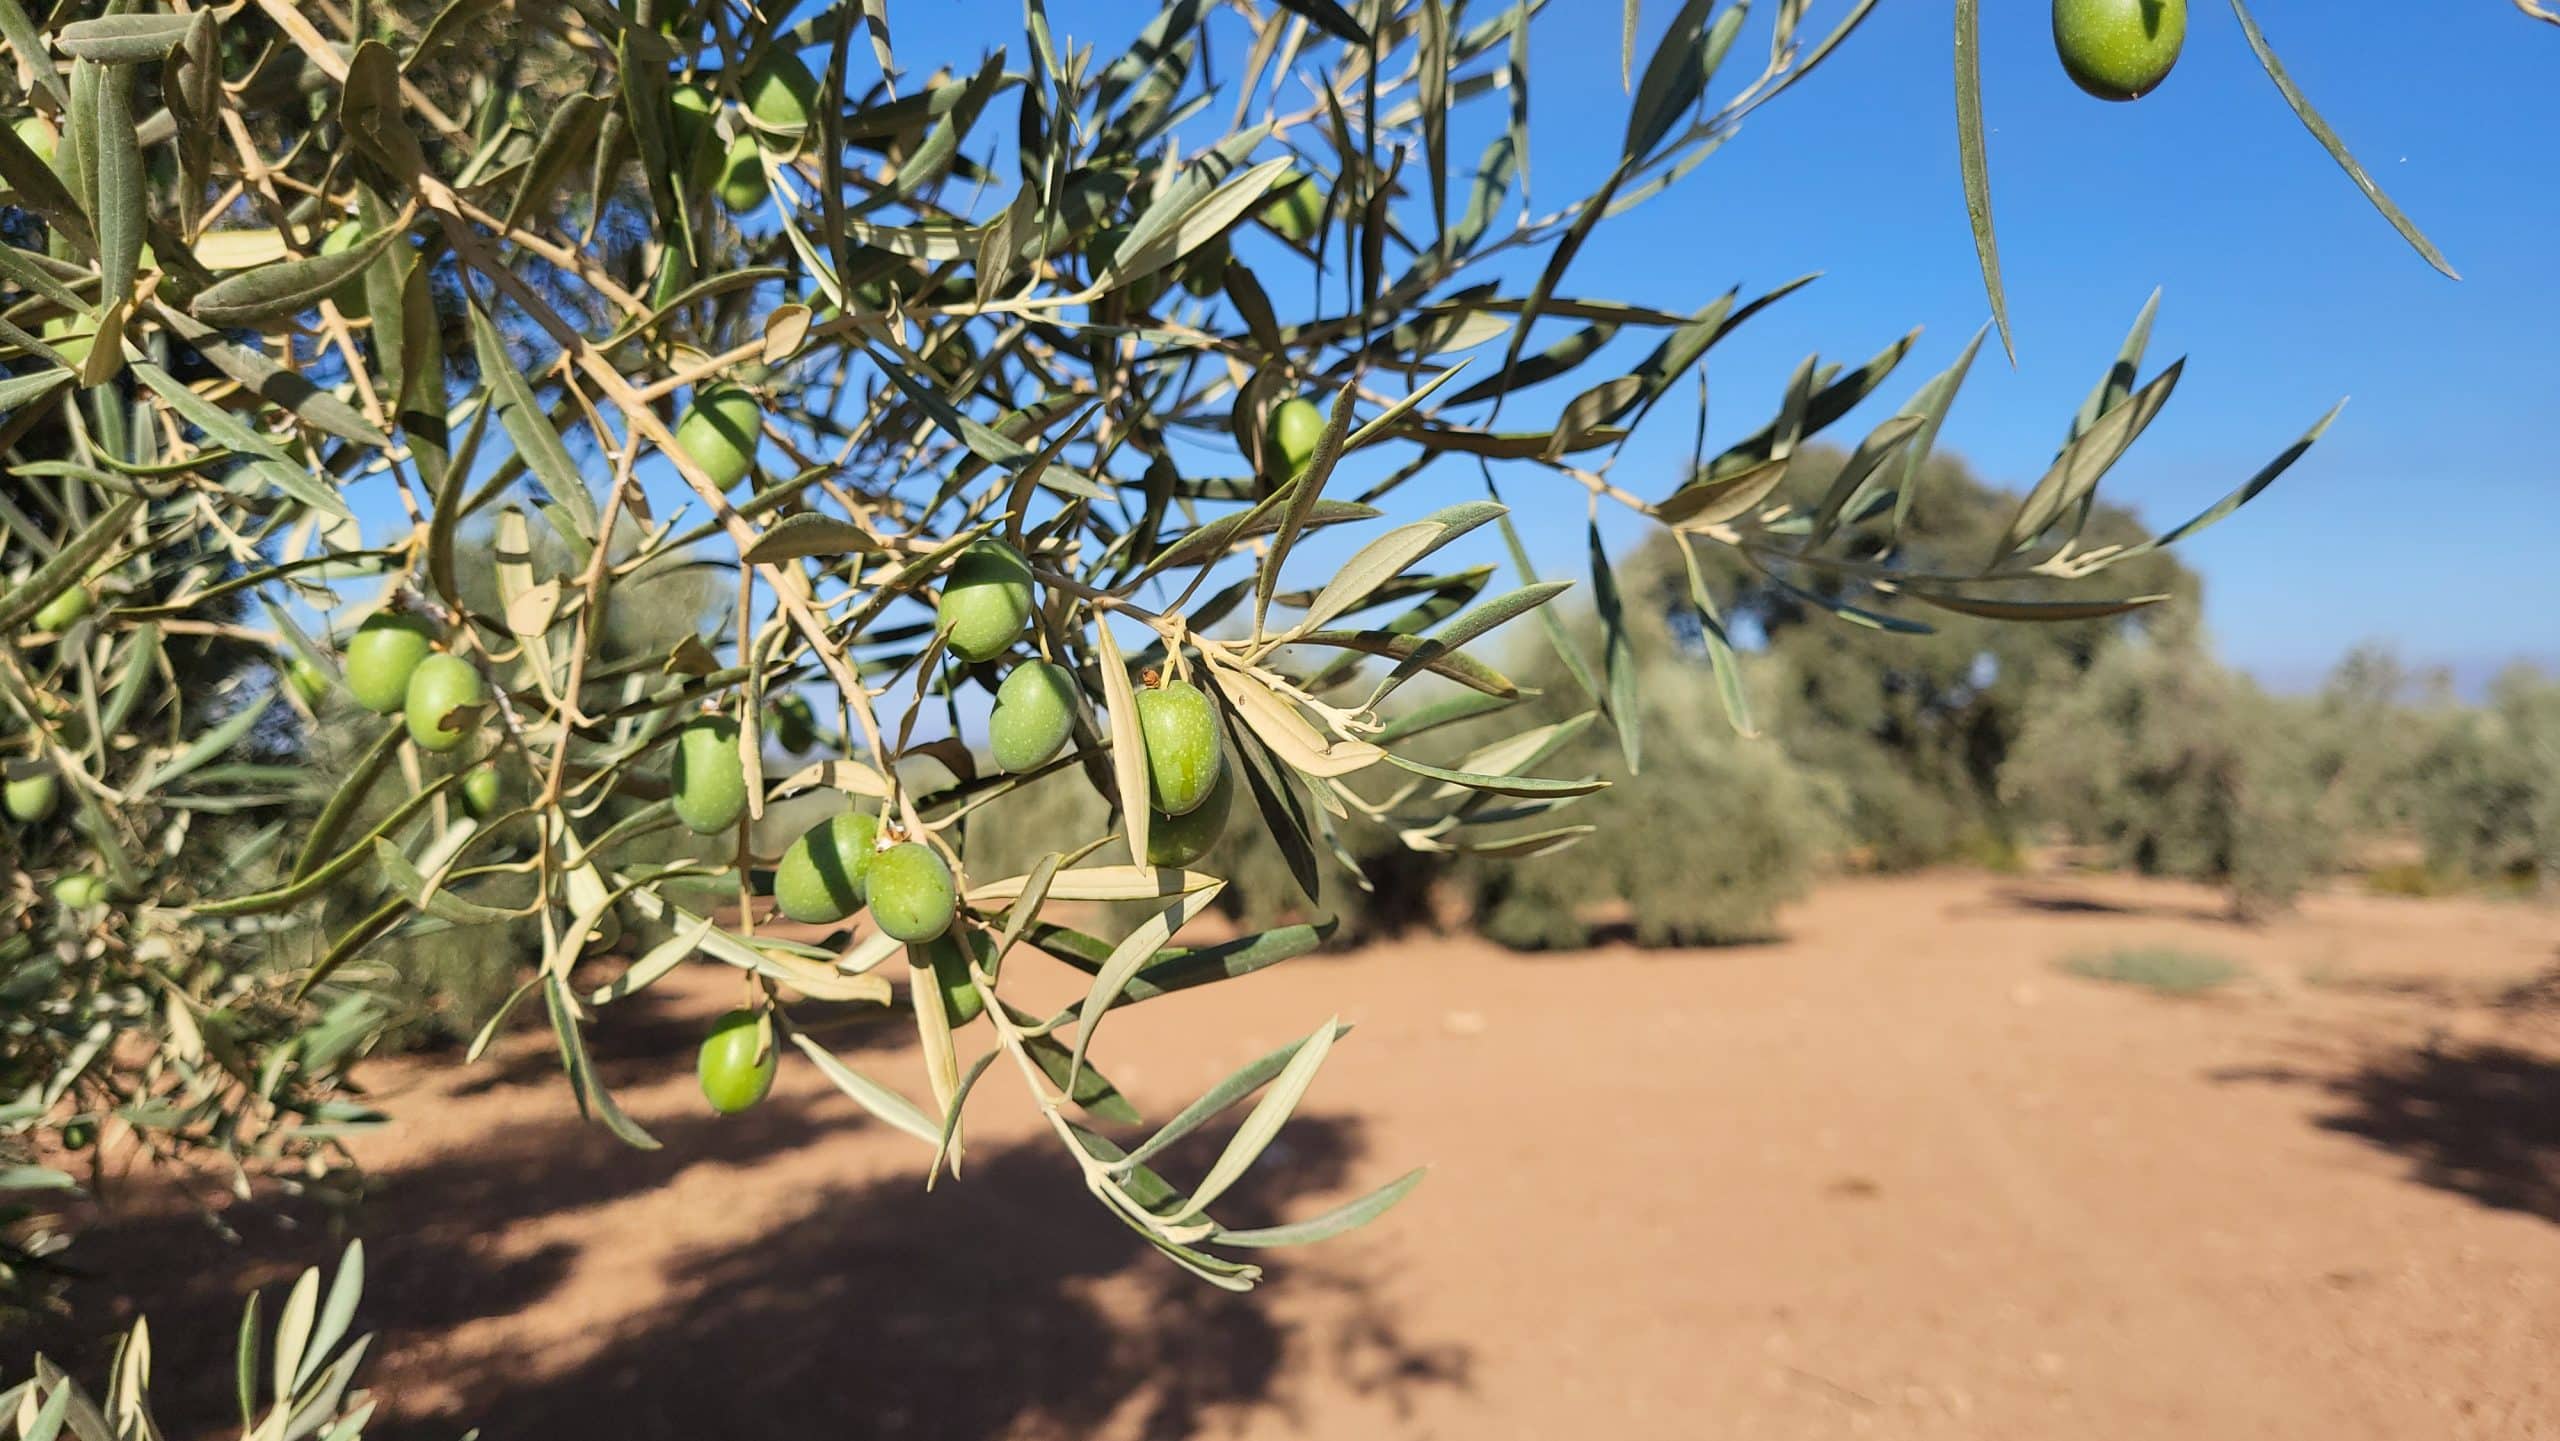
(937, 371)
(2176, 766)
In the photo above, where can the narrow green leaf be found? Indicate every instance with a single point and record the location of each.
(1252, 1076)
(123, 39)
(530, 428)
(1346, 1217)
(1263, 1124)
(1618, 654)
(285, 287)
(1331, 18)
(1133, 952)
(593, 1098)
(337, 1314)
(1977, 168)
(267, 460)
(2330, 142)
(796, 537)
(1931, 405)
(1502, 785)
(2247, 492)
(873, 1097)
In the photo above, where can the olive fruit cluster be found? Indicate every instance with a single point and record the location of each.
(393, 668)
(2119, 49)
(781, 96)
(838, 866)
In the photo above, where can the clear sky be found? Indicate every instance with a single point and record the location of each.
(2429, 517)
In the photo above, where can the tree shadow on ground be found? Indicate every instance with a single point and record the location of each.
(2481, 1121)
(1005, 1303)
(2057, 902)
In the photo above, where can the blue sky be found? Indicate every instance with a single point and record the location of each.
(2426, 518)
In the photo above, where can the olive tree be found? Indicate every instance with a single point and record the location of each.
(1059, 406)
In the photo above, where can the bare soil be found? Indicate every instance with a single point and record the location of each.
(1896, 1175)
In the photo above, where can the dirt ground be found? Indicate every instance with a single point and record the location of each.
(1897, 1175)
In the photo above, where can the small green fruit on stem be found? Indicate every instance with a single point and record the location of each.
(721, 431)
(1297, 426)
(820, 880)
(742, 185)
(1177, 841)
(64, 610)
(1035, 711)
(709, 776)
(733, 1076)
(911, 890)
(1296, 207)
(1180, 729)
(31, 797)
(948, 964)
(782, 93)
(483, 791)
(384, 654)
(2119, 49)
(350, 295)
(794, 724)
(986, 601)
(443, 690)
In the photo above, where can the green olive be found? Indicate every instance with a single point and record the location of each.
(1102, 248)
(1295, 208)
(79, 890)
(986, 600)
(73, 335)
(690, 108)
(38, 135)
(63, 610)
(2119, 49)
(1180, 728)
(385, 651)
(782, 92)
(483, 791)
(820, 880)
(709, 777)
(742, 186)
(308, 681)
(721, 431)
(444, 691)
(350, 294)
(955, 356)
(1204, 273)
(943, 956)
(1297, 425)
(1177, 841)
(733, 1076)
(794, 724)
(911, 891)
(31, 797)
(1035, 710)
